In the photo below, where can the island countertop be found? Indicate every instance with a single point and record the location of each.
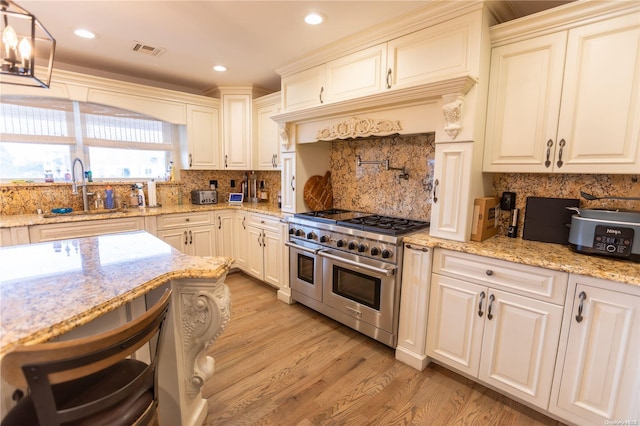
(48, 289)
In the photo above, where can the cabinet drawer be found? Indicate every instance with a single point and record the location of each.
(264, 222)
(181, 220)
(89, 228)
(538, 283)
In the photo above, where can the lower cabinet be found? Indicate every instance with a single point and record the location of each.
(478, 325)
(264, 249)
(191, 233)
(597, 379)
(88, 228)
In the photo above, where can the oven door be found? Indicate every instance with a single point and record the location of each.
(361, 288)
(305, 270)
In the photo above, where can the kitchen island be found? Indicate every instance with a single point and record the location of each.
(66, 288)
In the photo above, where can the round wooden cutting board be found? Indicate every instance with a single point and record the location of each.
(318, 193)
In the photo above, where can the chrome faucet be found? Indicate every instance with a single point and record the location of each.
(74, 184)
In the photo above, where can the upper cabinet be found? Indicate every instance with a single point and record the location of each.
(203, 137)
(266, 135)
(236, 130)
(439, 52)
(569, 101)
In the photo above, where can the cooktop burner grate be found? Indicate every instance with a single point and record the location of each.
(384, 224)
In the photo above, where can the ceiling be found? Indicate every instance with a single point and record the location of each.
(251, 38)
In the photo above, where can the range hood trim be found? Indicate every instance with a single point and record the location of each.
(441, 91)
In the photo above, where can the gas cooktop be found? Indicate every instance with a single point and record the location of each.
(370, 222)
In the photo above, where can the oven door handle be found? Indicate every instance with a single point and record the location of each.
(301, 248)
(387, 272)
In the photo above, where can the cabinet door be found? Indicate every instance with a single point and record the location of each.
(176, 238)
(255, 253)
(225, 234)
(203, 136)
(600, 377)
(240, 240)
(359, 74)
(456, 317)
(236, 114)
(520, 345)
(267, 136)
(273, 261)
(600, 112)
(201, 241)
(288, 182)
(450, 212)
(525, 83)
(414, 301)
(303, 89)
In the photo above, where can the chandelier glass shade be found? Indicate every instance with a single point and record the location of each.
(26, 48)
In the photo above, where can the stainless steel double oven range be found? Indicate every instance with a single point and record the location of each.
(348, 266)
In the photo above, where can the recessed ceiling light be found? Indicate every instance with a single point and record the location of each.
(84, 33)
(220, 68)
(314, 18)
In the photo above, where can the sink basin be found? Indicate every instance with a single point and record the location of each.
(83, 213)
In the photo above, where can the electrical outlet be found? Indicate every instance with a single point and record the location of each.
(233, 183)
(213, 184)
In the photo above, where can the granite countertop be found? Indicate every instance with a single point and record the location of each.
(557, 257)
(10, 221)
(47, 289)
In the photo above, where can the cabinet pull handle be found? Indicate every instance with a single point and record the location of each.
(435, 186)
(190, 237)
(489, 272)
(190, 160)
(321, 92)
(547, 163)
(259, 239)
(293, 178)
(225, 160)
(422, 249)
(489, 314)
(264, 241)
(561, 144)
(186, 238)
(219, 222)
(482, 296)
(389, 78)
(243, 219)
(582, 296)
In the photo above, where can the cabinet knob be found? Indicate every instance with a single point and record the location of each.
(187, 219)
(489, 272)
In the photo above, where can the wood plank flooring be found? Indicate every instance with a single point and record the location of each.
(279, 364)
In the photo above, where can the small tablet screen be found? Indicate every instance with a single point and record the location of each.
(236, 197)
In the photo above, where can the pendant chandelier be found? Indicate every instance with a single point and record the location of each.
(26, 48)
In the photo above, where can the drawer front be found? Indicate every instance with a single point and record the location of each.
(532, 281)
(181, 220)
(267, 223)
(89, 228)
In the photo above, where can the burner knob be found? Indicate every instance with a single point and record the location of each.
(341, 243)
(325, 239)
(352, 245)
(299, 233)
(292, 231)
(375, 251)
(362, 248)
(312, 236)
(386, 254)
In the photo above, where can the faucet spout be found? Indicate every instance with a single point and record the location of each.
(74, 183)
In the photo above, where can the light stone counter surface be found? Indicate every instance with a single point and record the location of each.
(47, 289)
(10, 221)
(557, 257)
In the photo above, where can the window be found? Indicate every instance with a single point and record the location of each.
(39, 136)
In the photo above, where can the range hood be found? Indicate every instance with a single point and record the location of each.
(418, 109)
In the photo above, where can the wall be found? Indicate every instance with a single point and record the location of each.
(370, 188)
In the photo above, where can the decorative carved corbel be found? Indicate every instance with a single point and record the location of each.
(359, 128)
(283, 128)
(452, 110)
(205, 315)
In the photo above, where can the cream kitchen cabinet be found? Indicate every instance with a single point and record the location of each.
(288, 182)
(240, 239)
(597, 379)
(414, 301)
(568, 101)
(265, 249)
(266, 136)
(89, 228)
(236, 130)
(14, 236)
(496, 321)
(308, 160)
(203, 138)
(191, 233)
(225, 232)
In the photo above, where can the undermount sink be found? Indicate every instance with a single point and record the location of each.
(83, 213)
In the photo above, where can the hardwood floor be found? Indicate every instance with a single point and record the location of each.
(279, 364)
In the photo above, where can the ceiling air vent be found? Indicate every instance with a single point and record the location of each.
(145, 49)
